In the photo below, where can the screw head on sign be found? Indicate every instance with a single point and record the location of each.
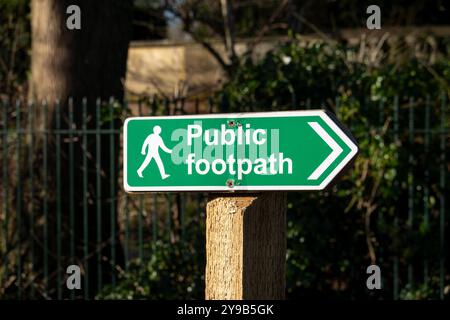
(230, 183)
(231, 123)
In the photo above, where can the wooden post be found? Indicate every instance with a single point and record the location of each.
(246, 246)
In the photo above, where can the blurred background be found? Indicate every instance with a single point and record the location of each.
(65, 93)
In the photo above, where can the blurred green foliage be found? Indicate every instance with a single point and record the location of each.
(321, 71)
(15, 41)
(173, 271)
(332, 235)
(335, 234)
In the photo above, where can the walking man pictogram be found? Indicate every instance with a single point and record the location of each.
(154, 142)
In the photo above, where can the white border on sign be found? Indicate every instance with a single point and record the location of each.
(233, 116)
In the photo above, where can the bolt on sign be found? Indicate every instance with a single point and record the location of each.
(291, 150)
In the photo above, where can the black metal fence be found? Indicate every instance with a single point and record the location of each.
(62, 202)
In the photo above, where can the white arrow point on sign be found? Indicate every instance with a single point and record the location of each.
(337, 150)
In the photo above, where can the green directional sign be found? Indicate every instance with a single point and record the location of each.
(291, 150)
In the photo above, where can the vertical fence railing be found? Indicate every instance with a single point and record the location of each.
(426, 191)
(71, 187)
(141, 207)
(45, 197)
(411, 187)
(19, 199)
(442, 184)
(126, 241)
(396, 186)
(98, 157)
(58, 201)
(85, 199)
(31, 231)
(5, 194)
(36, 135)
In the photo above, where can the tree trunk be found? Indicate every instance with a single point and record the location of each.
(88, 63)
(246, 246)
